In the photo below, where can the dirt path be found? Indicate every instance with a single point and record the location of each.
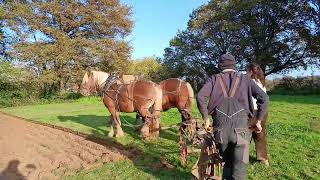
(32, 151)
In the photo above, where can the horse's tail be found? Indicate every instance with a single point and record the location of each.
(190, 96)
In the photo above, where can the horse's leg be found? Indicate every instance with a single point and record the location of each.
(156, 113)
(185, 116)
(155, 125)
(145, 130)
(111, 132)
(139, 122)
(119, 131)
(115, 123)
(183, 149)
(151, 113)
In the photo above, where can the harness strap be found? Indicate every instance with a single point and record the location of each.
(223, 87)
(180, 83)
(130, 93)
(235, 86)
(116, 99)
(233, 89)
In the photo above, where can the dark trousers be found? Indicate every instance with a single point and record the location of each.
(260, 140)
(235, 152)
(233, 140)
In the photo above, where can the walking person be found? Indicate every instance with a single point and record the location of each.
(256, 74)
(229, 95)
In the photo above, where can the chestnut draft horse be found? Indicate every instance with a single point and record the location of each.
(177, 93)
(144, 97)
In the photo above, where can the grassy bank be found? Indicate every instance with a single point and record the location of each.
(294, 139)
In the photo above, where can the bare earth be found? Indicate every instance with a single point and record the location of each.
(32, 151)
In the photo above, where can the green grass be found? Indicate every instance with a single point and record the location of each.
(294, 139)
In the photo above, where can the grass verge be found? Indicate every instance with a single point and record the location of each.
(293, 136)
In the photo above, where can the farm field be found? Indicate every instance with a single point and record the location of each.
(294, 139)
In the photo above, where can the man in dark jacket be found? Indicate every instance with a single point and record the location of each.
(232, 132)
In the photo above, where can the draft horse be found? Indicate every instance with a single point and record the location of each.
(177, 93)
(144, 97)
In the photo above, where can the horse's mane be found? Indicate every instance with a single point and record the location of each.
(98, 76)
(85, 78)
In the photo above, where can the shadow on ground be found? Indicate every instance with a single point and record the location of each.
(147, 158)
(12, 171)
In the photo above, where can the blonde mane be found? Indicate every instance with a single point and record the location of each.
(85, 78)
(99, 77)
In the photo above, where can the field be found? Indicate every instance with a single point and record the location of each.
(293, 132)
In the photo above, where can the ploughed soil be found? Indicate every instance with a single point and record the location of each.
(33, 151)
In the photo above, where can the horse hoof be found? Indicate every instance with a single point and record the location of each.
(111, 134)
(120, 134)
(265, 163)
(145, 132)
(156, 134)
(145, 135)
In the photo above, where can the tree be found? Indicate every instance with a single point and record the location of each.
(5, 39)
(271, 33)
(313, 34)
(59, 39)
(148, 67)
(190, 57)
(1, 26)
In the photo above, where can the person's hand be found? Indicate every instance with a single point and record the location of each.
(258, 127)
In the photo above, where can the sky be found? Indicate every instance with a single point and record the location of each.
(157, 22)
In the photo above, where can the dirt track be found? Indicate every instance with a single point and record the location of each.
(33, 151)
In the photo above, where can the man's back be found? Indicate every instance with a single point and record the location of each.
(244, 93)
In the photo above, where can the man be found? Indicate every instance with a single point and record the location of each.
(229, 95)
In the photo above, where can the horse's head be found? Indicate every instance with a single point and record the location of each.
(88, 86)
